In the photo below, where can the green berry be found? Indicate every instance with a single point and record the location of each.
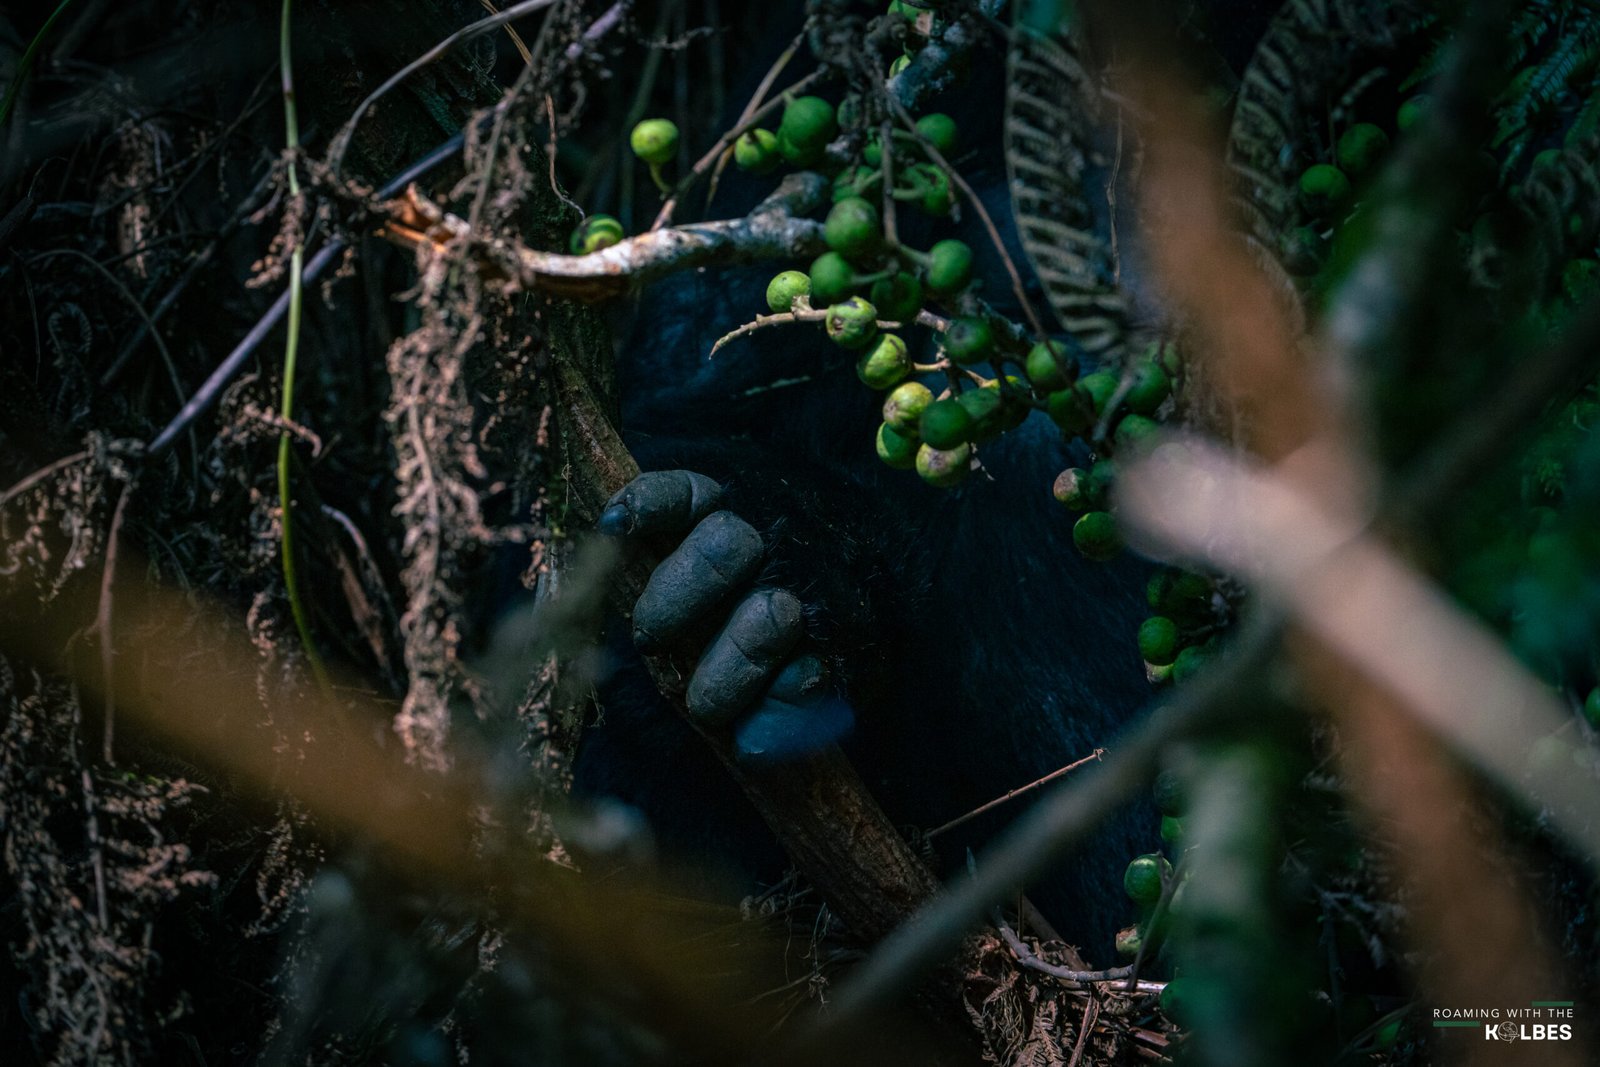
(1158, 640)
(1075, 490)
(756, 151)
(809, 122)
(885, 364)
(897, 299)
(1360, 147)
(949, 266)
(1591, 708)
(851, 323)
(968, 340)
(1177, 1001)
(1304, 251)
(904, 407)
(1098, 387)
(852, 228)
(1071, 409)
(938, 130)
(1102, 476)
(985, 406)
(784, 289)
(1145, 876)
(1411, 112)
(1169, 794)
(897, 449)
(1049, 367)
(1096, 536)
(655, 140)
(1135, 433)
(1190, 662)
(1129, 941)
(1149, 389)
(593, 234)
(832, 277)
(944, 468)
(1324, 187)
(1171, 829)
(937, 199)
(799, 155)
(946, 423)
(872, 153)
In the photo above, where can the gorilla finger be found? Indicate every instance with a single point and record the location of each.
(801, 681)
(754, 642)
(777, 731)
(660, 502)
(721, 554)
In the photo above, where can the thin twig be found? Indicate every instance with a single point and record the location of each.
(954, 175)
(810, 314)
(1015, 793)
(756, 100)
(40, 475)
(103, 625)
(341, 140)
(1030, 959)
(664, 216)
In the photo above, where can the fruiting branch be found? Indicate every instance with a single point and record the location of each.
(776, 229)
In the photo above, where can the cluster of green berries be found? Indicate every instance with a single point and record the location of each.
(1174, 642)
(1145, 881)
(1327, 188)
(1127, 405)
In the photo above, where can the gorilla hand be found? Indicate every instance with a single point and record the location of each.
(748, 675)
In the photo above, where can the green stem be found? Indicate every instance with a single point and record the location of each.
(660, 179)
(27, 60)
(291, 351)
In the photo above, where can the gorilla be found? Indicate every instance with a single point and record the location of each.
(954, 639)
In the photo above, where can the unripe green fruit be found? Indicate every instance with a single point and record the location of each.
(1144, 877)
(1129, 941)
(949, 266)
(1158, 640)
(1135, 433)
(756, 151)
(799, 155)
(898, 299)
(937, 199)
(984, 406)
(1304, 251)
(885, 363)
(1360, 147)
(1096, 536)
(968, 340)
(784, 289)
(938, 130)
(832, 278)
(1071, 409)
(1074, 489)
(1169, 793)
(852, 228)
(897, 449)
(904, 407)
(1190, 662)
(1177, 1000)
(1149, 389)
(1049, 367)
(1171, 829)
(1102, 476)
(1411, 112)
(1098, 387)
(593, 234)
(1591, 708)
(851, 323)
(1324, 186)
(872, 153)
(850, 182)
(946, 423)
(1157, 676)
(808, 122)
(654, 140)
(944, 468)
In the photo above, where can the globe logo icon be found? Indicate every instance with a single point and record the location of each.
(1507, 1032)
